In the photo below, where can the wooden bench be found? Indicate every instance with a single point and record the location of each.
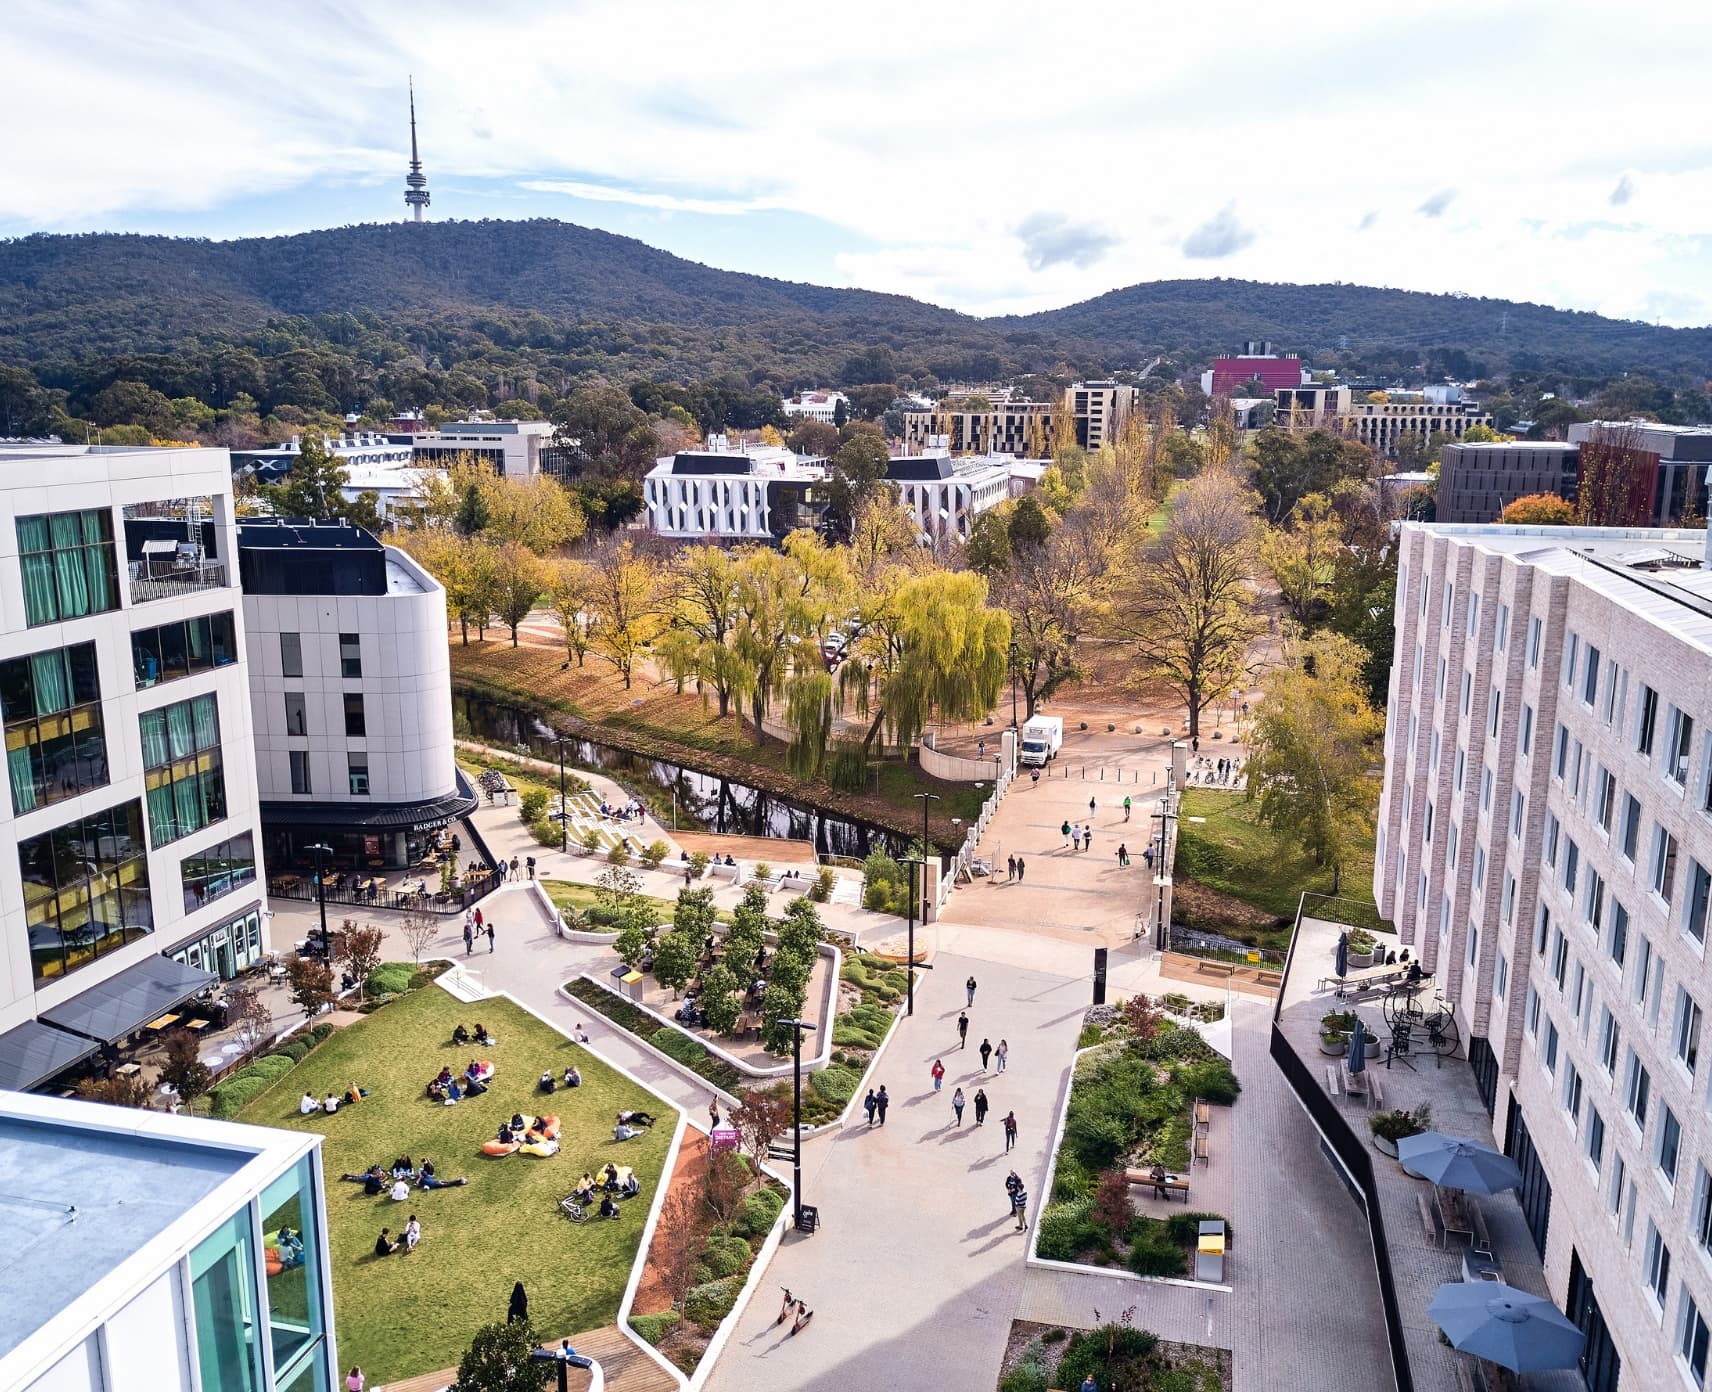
(1203, 1113)
(1429, 1222)
(1203, 1150)
(1332, 1085)
(1207, 967)
(1375, 1091)
(1171, 1184)
(1482, 1240)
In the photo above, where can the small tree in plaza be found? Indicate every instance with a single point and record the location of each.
(251, 1017)
(360, 948)
(184, 1067)
(498, 1360)
(311, 985)
(719, 1000)
(418, 929)
(675, 957)
(761, 1118)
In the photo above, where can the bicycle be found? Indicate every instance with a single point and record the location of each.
(1442, 1033)
(573, 1210)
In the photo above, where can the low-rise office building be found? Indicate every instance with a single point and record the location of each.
(146, 1252)
(350, 695)
(820, 406)
(1017, 428)
(1545, 843)
(512, 449)
(129, 832)
(1381, 424)
(1670, 460)
(358, 450)
(1477, 482)
(1312, 407)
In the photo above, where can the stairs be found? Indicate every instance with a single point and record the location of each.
(462, 987)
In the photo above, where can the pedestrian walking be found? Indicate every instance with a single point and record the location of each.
(881, 1102)
(980, 1107)
(478, 923)
(1010, 1130)
(1076, 838)
(1019, 1206)
(957, 1105)
(712, 1113)
(962, 1029)
(1034, 777)
(969, 986)
(688, 875)
(490, 938)
(1147, 855)
(938, 1071)
(1065, 829)
(986, 1052)
(469, 936)
(1090, 809)
(1020, 868)
(871, 1104)
(514, 867)
(531, 864)
(1002, 1055)
(980, 749)
(1123, 856)
(1010, 868)
(1126, 808)
(1013, 1187)
(1088, 837)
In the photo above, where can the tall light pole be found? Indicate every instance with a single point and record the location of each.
(321, 890)
(797, 1028)
(564, 811)
(567, 1358)
(1013, 657)
(926, 798)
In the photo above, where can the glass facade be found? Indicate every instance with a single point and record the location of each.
(217, 870)
(223, 1294)
(86, 889)
(184, 781)
(296, 1325)
(55, 744)
(234, 946)
(183, 649)
(68, 564)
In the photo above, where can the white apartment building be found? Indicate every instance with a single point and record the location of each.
(1545, 841)
(945, 495)
(146, 1252)
(1381, 424)
(1100, 409)
(817, 406)
(129, 829)
(511, 448)
(350, 693)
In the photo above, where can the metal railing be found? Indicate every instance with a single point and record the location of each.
(209, 575)
(435, 900)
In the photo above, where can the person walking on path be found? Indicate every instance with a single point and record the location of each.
(957, 1105)
(1088, 837)
(871, 1104)
(881, 1102)
(986, 1053)
(1123, 856)
(1034, 777)
(980, 1107)
(963, 1029)
(1065, 831)
(469, 935)
(490, 937)
(1019, 1206)
(1010, 1130)
(1001, 1055)
(1010, 869)
(938, 1071)
(478, 922)
(1020, 868)
(969, 986)
(1013, 1187)
(514, 867)
(712, 1113)
(1126, 807)
(530, 863)
(1090, 810)
(1076, 838)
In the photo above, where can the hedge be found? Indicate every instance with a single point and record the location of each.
(760, 1211)
(654, 1328)
(723, 1256)
(389, 979)
(837, 1085)
(708, 1304)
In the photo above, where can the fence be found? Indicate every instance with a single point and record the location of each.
(434, 901)
(965, 862)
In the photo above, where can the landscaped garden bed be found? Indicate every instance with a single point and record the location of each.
(1130, 1106)
(1116, 1355)
(400, 1316)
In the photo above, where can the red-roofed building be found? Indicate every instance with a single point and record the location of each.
(1231, 373)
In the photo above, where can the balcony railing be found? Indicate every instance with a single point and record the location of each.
(160, 582)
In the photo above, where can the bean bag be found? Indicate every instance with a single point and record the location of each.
(540, 1149)
(274, 1264)
(498, 1148)
(550, 1127)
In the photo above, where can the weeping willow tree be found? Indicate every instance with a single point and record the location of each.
(937, 650)
(808, 711)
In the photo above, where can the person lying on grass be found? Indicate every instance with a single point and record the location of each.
(427, 1179)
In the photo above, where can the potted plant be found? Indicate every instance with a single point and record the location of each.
(1335, 1026)
(1390, 1127)
(1361, 945)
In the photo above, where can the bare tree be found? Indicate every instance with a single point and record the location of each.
(761, 1118)
(1615, 487)
(1185, 604)
(251, 1017)
(359, 948)
(674, 1251)
(418, 929)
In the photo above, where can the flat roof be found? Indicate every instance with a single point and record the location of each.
(303, 533)
(398, 579)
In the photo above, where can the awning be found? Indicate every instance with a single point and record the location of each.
(33, 1052)
(125, 1003)
(369, 816)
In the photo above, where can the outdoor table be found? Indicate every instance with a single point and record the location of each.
(1453, 1213)
(128, 1070)
(163, 1022)
(1478, 1268)
(197, 1026)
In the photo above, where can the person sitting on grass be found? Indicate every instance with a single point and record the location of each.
(373, 1172)
(290, 1248)
(460, 1035)
(427, 1179)
(384, 1246)
(355, 1093)
(622, 1132)
(572, 1077)
(635, 1118)
(307, 1105)
(412, 1234)
(454, 1093)
(609, 1178)
(331, 1104)
(631, 1186)
(483, 1036)
(517, 1121)
(400, 1190)
(584, 1192)
(404, 1168)
(436, 1090)
(506, 1137)
(608, 1209)
(374, 1182)
(548, 1082)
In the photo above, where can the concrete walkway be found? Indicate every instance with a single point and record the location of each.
(917, 1270)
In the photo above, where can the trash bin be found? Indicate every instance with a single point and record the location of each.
(809, 1219)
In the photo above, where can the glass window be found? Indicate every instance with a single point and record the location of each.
(1631, 826)
(86, 889)
(1664, 864)
(1699, 887)
(217, 870)
(69, 565)
(300, 771)
(291, 654)
(1644, 730)
(1687, 1031)
(184, 771)
(1669, 1152)
(1590, 676)
(1605, 800)
(1594, 1139)
(355, 726)
(1560, 756)
(1618, 943)
(1501, 976)
(1656, 1263)
(182, 649)
(1692, 1343)
(1569, 655)
(1680, 746)
(294, 1264)
(222, 1284)
(56, 746)
(1637, 1090)
(350, 655)
(1527, 739)
(1534, 629)
(359, 773)
(296, 714)
(1548, 1052)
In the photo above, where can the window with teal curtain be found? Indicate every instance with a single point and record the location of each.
(154, 739)
(35, 547)
(187, 805)
(198, 645)
(207, 722)
(180, 733)
(52, 687)
(161, 828)
(18, 766)
(70, 575)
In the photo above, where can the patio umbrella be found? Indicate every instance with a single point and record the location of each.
(1343, 954)
(1357, 1060)
(1522, 1332)
(1452, 1162)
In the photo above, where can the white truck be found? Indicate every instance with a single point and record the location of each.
(1042, 735)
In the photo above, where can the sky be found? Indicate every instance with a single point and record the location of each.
(995, 158)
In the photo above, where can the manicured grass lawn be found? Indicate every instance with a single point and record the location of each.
(1233, 853)
(569, 894)
(402, 1315)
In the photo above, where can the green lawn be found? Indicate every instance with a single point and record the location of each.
(1235, 855)
(569, 894)
(404, 1315)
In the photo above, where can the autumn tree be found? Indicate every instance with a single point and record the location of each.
(785, 600)
(672, 1255)
(761, 1118)
(1186, 607)
(1314, 749)
(817, 439)
(858, 473)
(570, 590)
(704, 609)
(183, 1066)
(251, 1017)
(1539, 510)
(467, 568)
(360, 948)
(1050, 593)
(533, 512)
(519, 578)
(625, 601)
(1302, 556)
(311, 984)
(119, 1090)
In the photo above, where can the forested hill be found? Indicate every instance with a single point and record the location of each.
(1213, 316)
(590, 300)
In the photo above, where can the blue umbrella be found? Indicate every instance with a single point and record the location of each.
(1343, 954)
(1454, 1163)
(1522, 1332)
(1357, 1060)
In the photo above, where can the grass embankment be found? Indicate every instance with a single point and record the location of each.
(1238, 877)
(399, 1316)
(656, 721)
(568, 894)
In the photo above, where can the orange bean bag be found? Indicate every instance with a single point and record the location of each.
(274, 1264)
(550, 1127)
(499, 1148)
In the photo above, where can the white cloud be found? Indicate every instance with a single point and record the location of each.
(930, 161)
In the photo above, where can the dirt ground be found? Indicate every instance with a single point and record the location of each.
(651, 1295)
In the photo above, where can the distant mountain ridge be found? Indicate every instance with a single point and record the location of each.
(543, 284)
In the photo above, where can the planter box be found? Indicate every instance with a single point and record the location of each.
(1373, 1047)
(1385, 1147)
(1361, 959)
(1333, 1050)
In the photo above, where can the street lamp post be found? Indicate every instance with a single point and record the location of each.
(926, 798)
(564, 811)
(797, 1028)
(1013, 655)
(567, 1358)
(321, 888)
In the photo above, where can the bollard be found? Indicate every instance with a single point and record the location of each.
(1102, 773)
